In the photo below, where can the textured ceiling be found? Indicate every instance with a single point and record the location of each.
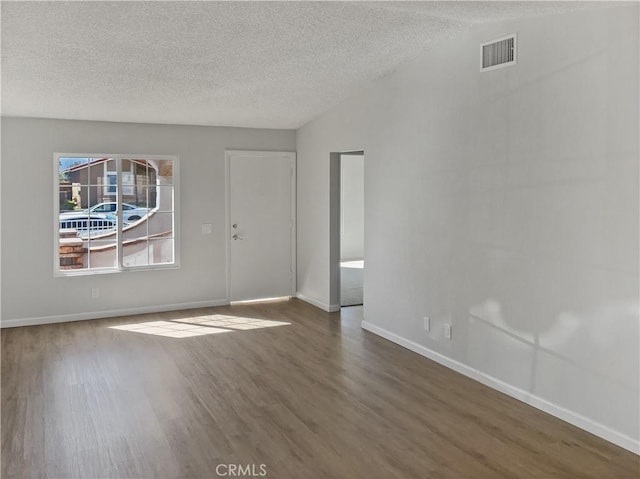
(251, 64)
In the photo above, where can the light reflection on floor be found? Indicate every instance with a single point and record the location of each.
(199, 326)
(358, 264)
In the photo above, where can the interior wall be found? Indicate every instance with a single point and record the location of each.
(352, 207)
(29, 290)
(504, 203)
(314, 214)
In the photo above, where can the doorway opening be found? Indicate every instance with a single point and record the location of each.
(347, 229)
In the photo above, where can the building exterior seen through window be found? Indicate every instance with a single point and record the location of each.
(114, 213)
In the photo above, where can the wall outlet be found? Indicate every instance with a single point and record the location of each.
(95, 292)
(447, 330)
(427, 324)
(206, 228)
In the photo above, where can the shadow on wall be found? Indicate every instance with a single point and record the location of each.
(583, 357)
(570, 336)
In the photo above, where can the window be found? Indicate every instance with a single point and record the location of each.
(114, 213)
(111, 183)
(105, 208)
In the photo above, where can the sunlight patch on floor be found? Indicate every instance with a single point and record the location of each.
(358, 264)
(273, 299)
(199, 326)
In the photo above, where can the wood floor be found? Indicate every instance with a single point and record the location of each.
(315, 398)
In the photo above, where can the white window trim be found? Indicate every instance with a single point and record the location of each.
(120, 267)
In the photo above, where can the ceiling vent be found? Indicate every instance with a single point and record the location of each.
(498, 53)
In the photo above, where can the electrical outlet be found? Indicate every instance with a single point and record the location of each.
(447, 330)
(206, 228)
(427, 324)
(95, 292)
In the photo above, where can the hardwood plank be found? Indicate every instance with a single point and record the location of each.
(313, 397)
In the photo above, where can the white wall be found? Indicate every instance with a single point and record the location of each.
(352, 207)
(504, 203)
(29, 290)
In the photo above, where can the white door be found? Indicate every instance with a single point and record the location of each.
(261, 217)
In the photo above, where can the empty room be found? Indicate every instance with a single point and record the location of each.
(314, 239)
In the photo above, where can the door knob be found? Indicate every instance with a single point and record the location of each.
(237, 237)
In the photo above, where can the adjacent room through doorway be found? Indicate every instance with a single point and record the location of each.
(351, 228)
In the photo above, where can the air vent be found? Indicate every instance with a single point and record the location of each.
(498, 53)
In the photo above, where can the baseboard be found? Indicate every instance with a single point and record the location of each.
(63, 318)
(329, 308)
(571, 417)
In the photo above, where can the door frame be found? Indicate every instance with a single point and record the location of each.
(293, 214)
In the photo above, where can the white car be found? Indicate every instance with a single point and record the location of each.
(130, 213)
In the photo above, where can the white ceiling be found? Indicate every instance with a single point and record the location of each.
(251, 64)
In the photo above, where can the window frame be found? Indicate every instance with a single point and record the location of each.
(117, 198)
(108, 185)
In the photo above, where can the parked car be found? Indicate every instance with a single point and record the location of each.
(88, 225)
(130, 213)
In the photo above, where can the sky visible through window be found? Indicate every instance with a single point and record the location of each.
(66, 163)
